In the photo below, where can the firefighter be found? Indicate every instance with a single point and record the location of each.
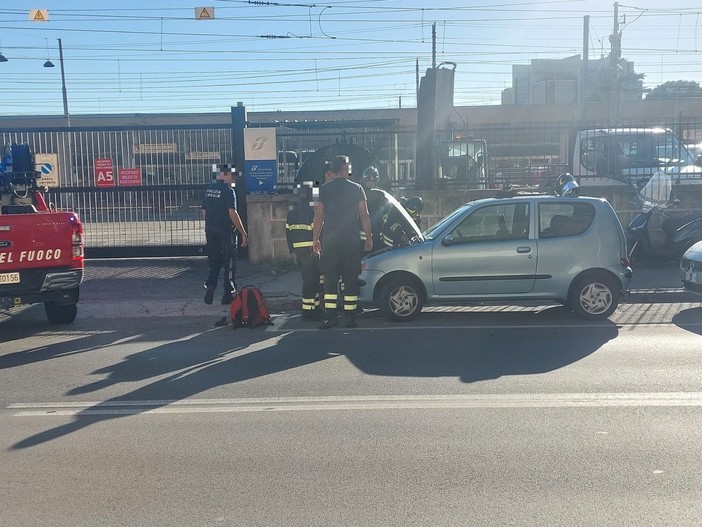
(395, 230)
(393, 234)
(414, 206)
(298, 232)
(341, 210)
(377, 206)
(222, 222)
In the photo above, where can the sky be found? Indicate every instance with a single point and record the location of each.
(155, 56)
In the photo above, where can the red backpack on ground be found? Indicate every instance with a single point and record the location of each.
(249, 308)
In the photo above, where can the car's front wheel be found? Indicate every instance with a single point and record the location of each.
(594, 297)
(401, 299)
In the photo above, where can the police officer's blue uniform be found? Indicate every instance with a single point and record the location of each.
(221, 248)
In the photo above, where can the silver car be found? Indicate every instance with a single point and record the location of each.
(522, 249)
(691, 269)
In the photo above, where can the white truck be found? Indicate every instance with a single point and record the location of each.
(611, 156)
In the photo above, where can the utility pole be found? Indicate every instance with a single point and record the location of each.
(615, 39)
(63, 86)
(615, 55)
(433, 45)
(584, 66)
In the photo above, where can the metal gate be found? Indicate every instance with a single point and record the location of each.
(160, 212)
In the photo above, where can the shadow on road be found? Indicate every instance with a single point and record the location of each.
(689, 320)
(197, 363)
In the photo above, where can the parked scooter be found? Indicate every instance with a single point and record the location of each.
(656, 234)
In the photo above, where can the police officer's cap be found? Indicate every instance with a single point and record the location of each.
(223, 168)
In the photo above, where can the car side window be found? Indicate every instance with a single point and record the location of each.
(494, 222)
(564, 219)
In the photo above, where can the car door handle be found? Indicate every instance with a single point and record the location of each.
(522, 250)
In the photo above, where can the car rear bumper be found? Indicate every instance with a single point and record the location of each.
(40, 286)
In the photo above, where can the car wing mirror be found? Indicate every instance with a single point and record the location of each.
(449, 240)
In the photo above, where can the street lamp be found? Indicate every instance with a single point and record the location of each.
(49, 64)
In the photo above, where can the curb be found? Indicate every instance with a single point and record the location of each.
(175, 308)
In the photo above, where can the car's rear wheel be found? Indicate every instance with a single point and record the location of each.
(60, 313)
(401, 299)
(594, 297)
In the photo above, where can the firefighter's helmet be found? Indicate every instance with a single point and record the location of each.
(413, 206)
(567, 186)
(371, 174)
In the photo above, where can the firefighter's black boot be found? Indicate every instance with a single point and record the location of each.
(351, 320)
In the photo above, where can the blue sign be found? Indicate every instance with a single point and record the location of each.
(261, 176)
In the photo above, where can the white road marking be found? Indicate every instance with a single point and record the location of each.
(369, 402)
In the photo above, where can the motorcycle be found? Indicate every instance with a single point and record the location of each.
(655, 233)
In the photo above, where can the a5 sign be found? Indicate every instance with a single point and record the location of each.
(104, 176)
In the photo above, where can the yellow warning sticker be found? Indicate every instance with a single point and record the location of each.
(204, 13)
(38, 15)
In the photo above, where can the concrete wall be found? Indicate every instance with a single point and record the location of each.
(266, 225)
(267, 213)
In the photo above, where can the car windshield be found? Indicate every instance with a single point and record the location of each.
(436, 229)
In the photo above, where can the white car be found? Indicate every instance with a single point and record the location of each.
(691, 269)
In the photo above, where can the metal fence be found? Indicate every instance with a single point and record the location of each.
(159, 209)
(162, 208)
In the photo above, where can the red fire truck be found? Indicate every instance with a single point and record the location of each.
(41, 249)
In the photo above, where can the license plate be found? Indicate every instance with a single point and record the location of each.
(9, 278)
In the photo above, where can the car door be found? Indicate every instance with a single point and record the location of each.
(488, 252)
(566, 246)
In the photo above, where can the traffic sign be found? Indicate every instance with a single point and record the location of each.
(129, 177)
(47, 166)
(104, 177)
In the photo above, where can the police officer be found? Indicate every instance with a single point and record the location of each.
(298, 232)
(341, 210)
(221, 220)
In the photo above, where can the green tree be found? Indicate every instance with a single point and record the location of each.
(673, 89)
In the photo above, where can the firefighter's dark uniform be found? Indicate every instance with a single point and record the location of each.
(378, 205)
(221, 248)
(340, 254)
(298, 231)
(394, 230)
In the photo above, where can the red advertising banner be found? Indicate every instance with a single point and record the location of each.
(129, 177)
(104, 176)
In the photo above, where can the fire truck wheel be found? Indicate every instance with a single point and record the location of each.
(60, 313)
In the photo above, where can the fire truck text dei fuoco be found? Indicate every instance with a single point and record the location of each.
(41, 249)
